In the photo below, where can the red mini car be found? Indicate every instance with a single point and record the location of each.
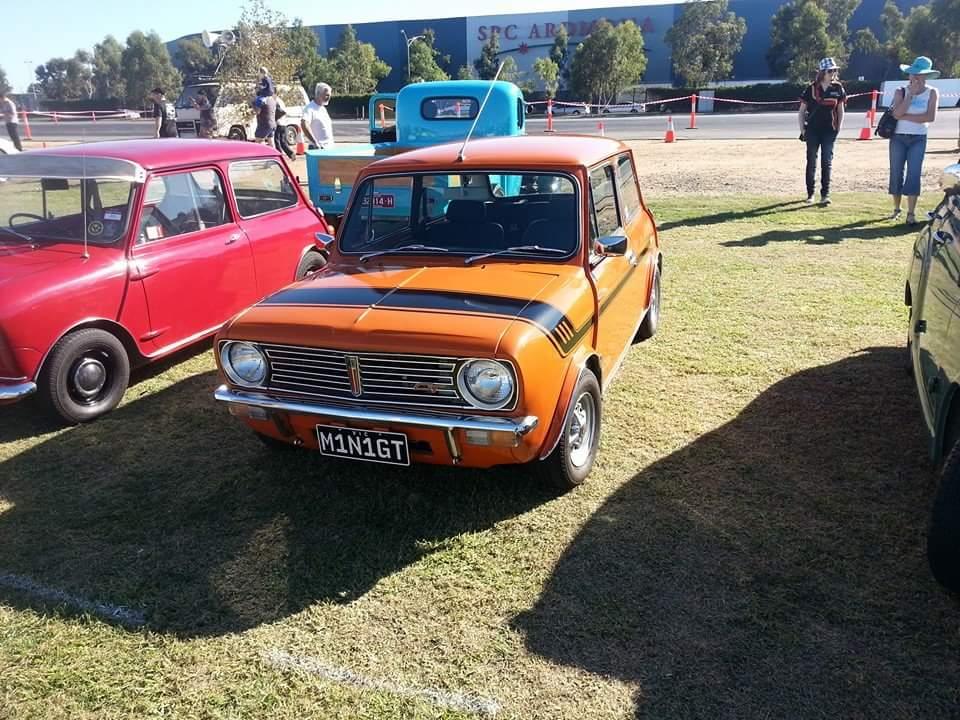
(115, 254)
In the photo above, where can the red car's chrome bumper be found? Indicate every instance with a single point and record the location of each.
(12, 393)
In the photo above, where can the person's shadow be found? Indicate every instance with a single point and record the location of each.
(774, 567)
(171, 508)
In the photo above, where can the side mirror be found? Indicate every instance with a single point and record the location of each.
(950, 179)
(611, 245)
(322, 241)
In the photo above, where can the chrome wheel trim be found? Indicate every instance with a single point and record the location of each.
(89, 378)
(654, 310)
(582, 430)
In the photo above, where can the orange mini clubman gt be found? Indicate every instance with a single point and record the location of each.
(476, 303)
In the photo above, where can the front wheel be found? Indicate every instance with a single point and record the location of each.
(943, 540)
(291, 135)
(571, 461)
(86, 375)
(309, 264)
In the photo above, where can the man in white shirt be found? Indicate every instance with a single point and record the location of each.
(316, 122)
(9, 113)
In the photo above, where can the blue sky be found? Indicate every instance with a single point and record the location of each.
(35, 33)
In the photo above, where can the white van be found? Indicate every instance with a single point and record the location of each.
(233, 112)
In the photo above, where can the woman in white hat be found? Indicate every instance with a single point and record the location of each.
(820, 118)
(914, 107)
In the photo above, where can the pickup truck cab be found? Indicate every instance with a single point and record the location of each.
(474, 307)
(421, 114)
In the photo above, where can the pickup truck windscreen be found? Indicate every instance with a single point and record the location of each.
(465, 214)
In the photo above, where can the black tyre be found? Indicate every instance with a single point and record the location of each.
(237, 133)
(943, 540)
(309, 264)
(86, 375)
(648, 328)
(571, 461)
(291, 135)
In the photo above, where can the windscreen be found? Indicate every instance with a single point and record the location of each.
(469, 214)
(42, 210)
(192, 92)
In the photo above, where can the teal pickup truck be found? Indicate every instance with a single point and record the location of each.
(421, 114)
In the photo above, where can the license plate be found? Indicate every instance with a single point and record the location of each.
(368, 445)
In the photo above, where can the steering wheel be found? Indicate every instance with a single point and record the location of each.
(26, 215)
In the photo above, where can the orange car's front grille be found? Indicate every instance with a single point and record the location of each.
(375, 378)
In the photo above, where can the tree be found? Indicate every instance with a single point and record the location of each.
(4, 83)
(486, 65)
(549, 73)
(192, 57)
(309, 66)
(560, 53)
(353, 66)
(610, 59)
(803, 31)
(108, 69)
(704, 40)
(424, 57)
(263, 41)
(146, 65)
(466, 73)
(67, 78)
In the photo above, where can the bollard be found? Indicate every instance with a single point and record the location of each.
(549, 115)
(93, 115)
(693, 112)
(27, 135)
(873, 107)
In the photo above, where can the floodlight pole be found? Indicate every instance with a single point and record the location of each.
(409, 42)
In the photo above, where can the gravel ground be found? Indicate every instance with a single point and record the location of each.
(770, 167)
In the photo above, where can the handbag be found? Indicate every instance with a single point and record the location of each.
(887, 125)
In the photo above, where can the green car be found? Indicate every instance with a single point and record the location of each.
(933, 296)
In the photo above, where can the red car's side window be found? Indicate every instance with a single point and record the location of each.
(182, 203)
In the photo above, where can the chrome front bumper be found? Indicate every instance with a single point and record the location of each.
(388, 417)
(12, 393)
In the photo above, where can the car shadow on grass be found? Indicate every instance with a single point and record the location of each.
(872, 230)
(31, 417)
(733, 215)
(774, 567)
(170, 507)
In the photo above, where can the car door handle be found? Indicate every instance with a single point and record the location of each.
(139, 272)
(232, 239)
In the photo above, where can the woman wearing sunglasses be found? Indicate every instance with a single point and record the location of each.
(914, 107)
(820, 118)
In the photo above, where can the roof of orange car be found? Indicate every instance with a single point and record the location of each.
(154, 153)
(507, 152)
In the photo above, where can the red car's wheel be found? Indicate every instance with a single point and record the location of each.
(86, 375)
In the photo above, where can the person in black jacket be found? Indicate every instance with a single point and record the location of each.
(820, 118)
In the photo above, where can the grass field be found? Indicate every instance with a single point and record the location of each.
(750, 544)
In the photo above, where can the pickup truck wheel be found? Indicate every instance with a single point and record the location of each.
(237, 133)
(943, 540)
(86, 375)
(571, 461)
(648, 328)
(291, 134)
(309, 264)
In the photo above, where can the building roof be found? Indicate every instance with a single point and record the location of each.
(559, 151)
(153, 153)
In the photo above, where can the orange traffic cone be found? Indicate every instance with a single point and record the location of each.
(600, 128)
(865, 133)
(671, 135)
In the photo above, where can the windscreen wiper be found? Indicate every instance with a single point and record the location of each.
(17, 233)
(515, 249)
(403, 248)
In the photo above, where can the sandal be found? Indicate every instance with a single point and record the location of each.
(895, 215)
(911, 219)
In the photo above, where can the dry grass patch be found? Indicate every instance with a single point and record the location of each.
(750, 544)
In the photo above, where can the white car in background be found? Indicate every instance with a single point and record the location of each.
(562, 108)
